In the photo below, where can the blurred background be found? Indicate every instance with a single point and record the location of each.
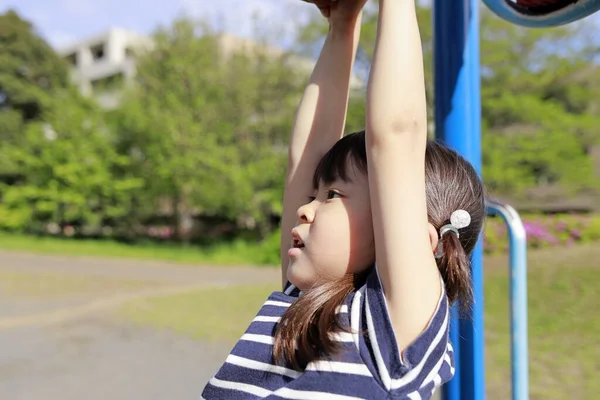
(142, 157)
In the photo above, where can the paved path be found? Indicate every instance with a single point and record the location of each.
(72, 348)
(134, 269)
(95, 358)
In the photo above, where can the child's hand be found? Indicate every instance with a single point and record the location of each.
(339, 11)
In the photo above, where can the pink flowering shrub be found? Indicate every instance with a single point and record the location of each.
(544, 231)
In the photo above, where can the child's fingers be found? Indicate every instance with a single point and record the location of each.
(321, 3)
(324, 6)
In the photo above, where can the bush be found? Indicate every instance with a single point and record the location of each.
(544, 231)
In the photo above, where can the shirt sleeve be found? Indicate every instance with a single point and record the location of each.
(422, 361)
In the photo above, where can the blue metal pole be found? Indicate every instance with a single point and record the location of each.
(451, 391)
(518, 307)
(472, 349)
(518, 298)
(458, 124)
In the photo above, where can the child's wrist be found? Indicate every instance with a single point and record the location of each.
(345, 25)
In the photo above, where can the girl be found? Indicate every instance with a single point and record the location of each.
(378, 250)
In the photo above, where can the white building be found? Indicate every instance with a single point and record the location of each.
(102, 63)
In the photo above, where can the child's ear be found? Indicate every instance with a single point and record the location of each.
(433, 237)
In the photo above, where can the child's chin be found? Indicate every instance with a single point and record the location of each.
(298, 276)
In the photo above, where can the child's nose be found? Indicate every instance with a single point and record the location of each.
(306, 214)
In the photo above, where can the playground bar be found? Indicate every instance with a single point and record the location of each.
(458, 124)
(518, 298)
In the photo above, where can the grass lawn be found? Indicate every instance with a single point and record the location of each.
(215, 314)
(564, 324)
(237, 253)
(564, 321)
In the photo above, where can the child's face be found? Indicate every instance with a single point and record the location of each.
(337, 232)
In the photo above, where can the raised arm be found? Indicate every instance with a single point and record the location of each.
(396, 140)
(321, 115)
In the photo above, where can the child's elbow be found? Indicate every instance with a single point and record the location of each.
(399, 128)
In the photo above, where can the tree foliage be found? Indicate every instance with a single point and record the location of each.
(539, 106)
(70, 173)
(29, 71)
(210, 120)
(203, 131)
(58, 161)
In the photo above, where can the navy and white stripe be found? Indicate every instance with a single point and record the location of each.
(369, 367)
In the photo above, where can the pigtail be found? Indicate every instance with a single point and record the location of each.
(306, 330)
(456, 208)
(454, 267)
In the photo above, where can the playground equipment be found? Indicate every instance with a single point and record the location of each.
(518, 296)
(543, 13)
(458, 124)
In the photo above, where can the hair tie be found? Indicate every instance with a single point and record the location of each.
(458, 220)
(448, 228)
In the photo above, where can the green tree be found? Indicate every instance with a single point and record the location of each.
(29, 72)
(539, 91)
(209, 117)
(71, 173)
(57, 158)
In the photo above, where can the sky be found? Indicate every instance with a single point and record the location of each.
(62, 22)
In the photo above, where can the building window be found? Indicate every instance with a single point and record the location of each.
(97, 52)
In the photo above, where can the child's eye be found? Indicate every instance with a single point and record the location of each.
(332, 193)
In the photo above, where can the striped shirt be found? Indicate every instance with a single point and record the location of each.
(370, 365)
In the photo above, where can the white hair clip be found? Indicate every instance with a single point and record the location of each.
(458, 220)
